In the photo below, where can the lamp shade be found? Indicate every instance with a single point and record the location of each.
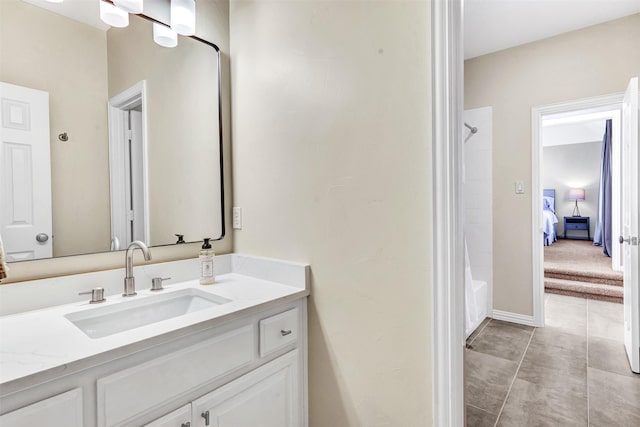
(576, 194)
(183, 17)
(112, 15)
(131, 6)
(164, 36)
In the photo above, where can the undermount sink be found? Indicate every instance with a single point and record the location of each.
(104, 321)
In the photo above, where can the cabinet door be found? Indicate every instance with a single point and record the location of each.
(181, 417)
(63, 410)
(266, 397)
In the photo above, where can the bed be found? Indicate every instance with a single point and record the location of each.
(549, 218)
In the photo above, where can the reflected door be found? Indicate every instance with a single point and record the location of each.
(630, 223)
(25, 173)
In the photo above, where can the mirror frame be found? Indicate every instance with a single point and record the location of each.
(220, 148)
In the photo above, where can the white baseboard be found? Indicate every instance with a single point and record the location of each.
(513, 318)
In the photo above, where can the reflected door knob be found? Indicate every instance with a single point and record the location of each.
(42, 237)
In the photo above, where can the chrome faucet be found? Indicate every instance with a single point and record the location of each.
(129, 280)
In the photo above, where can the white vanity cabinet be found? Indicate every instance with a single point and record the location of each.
(246, 371)
(241, 361)
(251, 368)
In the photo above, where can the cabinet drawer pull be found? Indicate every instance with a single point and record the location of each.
(187, 424)
(285, 332)
(205, 415)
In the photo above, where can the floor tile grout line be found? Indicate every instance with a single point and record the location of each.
(514, 377)
(480, 409)
(480, 331)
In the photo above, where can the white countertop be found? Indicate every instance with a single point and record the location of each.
(39, 345)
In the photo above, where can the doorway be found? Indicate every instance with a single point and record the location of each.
(550, 123)
(128, 167)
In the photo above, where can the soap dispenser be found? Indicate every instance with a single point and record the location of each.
(207, 276)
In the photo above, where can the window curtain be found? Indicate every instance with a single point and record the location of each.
(604, 229)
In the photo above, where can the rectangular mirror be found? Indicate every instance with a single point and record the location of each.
(107, 137)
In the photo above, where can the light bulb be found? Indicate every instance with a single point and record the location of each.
(164, 35)
(183, 17)
(131, 6)
(112, 15)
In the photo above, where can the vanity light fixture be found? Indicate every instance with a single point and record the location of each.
(112, 15)
(183, 17)
(164, 36)
(131, 6)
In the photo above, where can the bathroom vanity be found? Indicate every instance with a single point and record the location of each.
(229, 354)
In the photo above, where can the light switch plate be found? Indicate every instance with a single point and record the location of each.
(519, 187)
(237, 218)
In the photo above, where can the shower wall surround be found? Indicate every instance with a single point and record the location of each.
(478, 193)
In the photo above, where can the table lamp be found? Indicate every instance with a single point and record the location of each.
(576, 194)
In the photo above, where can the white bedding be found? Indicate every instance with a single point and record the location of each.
(549, 221)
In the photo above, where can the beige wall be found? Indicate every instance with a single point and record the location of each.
(212, 24)
(574, 166)
(43, 50)
(593, 61)
(331, 161)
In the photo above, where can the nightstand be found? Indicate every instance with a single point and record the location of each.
(577, 223)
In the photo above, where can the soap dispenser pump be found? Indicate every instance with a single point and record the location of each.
(207, 276)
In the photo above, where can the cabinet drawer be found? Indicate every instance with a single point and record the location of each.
(63, 410)
(576, 226)
(278, 331)
(131, 392)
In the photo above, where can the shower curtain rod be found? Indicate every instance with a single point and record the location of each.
(473, 129)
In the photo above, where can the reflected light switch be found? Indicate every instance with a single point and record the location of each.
(519, 187)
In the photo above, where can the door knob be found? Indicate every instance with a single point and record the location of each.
(42, 237)
(633, 241)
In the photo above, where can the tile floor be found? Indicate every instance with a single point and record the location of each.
(572, 372)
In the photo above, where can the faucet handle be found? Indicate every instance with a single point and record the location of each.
(156, 283)
(97, 295)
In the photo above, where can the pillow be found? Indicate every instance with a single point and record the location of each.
(548, 203)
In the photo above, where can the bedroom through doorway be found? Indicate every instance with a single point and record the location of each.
(581, 203)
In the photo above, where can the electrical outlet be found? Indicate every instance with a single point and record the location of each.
(519, 187)
(237, 218)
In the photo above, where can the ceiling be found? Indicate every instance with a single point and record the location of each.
(493, 25)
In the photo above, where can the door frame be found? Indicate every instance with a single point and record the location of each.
(447, 296)
(537, 114)
(117, 106)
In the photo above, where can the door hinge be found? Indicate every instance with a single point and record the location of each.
(130, 216)
(129, 135)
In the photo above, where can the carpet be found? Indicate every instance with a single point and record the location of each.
(577, 268)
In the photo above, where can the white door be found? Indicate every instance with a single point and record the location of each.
(630, 226)
(265, 397)
(25, 173)
(127, 167)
